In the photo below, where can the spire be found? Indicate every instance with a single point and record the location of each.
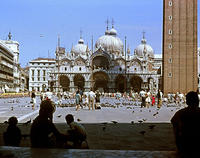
(58, 41)
(128, 50)
(107, 23)
(143, 33)
(81, 32)
(9, 36)
(143, 38)
(112, 23)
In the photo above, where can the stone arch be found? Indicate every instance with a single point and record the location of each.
(120, 83)
(79, 81)
(64, 82)
(100, 81)
(136, 83)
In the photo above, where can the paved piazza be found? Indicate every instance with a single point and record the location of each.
(122, 111)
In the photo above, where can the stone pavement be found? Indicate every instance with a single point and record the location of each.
(19, 152)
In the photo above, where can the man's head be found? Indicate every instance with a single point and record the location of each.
(47, 109)
(12, 121)
(192, 99)
(69, 118)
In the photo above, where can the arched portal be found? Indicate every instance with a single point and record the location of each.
(100, 62)
(120, 83)
(100, 80)
(64, 82)
(79, 81)
(136, 83)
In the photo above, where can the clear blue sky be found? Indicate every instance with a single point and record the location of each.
(28, 19)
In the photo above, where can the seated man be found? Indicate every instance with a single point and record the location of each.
(186, 126)
(77, 133)
(12, 136)
(43, 131)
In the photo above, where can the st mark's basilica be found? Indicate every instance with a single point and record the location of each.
(110, 67)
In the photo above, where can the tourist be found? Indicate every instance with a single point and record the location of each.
(159, 98)
(91, 98)
(43, 131)
(186, 126)
(148, 99)
(59, 98)
(81, 98)
(12, 136)
(97, 105)
(153, 100)
(48, 95)
(77, 132)
(77, 99)
(33, 99)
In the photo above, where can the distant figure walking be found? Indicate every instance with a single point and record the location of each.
(12, 136)
(98, 95)
(91, 98)
(77, 132)
(159, 97)
(33, 99)
(48, 95)
(186, 126)
(77, 99)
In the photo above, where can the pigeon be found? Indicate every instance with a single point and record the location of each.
(133, 111)
(151, 126)
(140, 121)
(140, 110)
(115, 122)
(28, 122)
(104, 128)
(171, 110)
(59, 116)
(144, 120)
(78, 119)
(132, 122)
(142, 132)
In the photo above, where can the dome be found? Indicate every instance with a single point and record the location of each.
(144, 48)
(80, 48)
(113, 32)
(110, 44)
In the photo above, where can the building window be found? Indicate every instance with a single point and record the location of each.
(170, 3)
(135, 69)
(170, 31)
(170, 17)
(44, 72)
(38, 88)
(170, 74)
(38, 72)
(32, 72)
(170, 46)
(38, 79)
(79, 68)
(65, 69)
(43, 78)
(32, 78)
(170, 60)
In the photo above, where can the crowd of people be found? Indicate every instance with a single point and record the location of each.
(92, 99)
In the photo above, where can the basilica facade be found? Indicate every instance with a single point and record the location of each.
(110, 67)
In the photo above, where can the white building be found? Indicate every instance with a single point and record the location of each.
(109, 68)
(14, 47)
(39, 73)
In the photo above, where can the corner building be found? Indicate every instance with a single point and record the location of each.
(180, 46)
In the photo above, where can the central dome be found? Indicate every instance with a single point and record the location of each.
(110, 42)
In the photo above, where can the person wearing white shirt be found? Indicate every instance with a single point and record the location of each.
(91, 98)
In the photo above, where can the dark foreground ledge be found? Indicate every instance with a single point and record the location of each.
(27, 152)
